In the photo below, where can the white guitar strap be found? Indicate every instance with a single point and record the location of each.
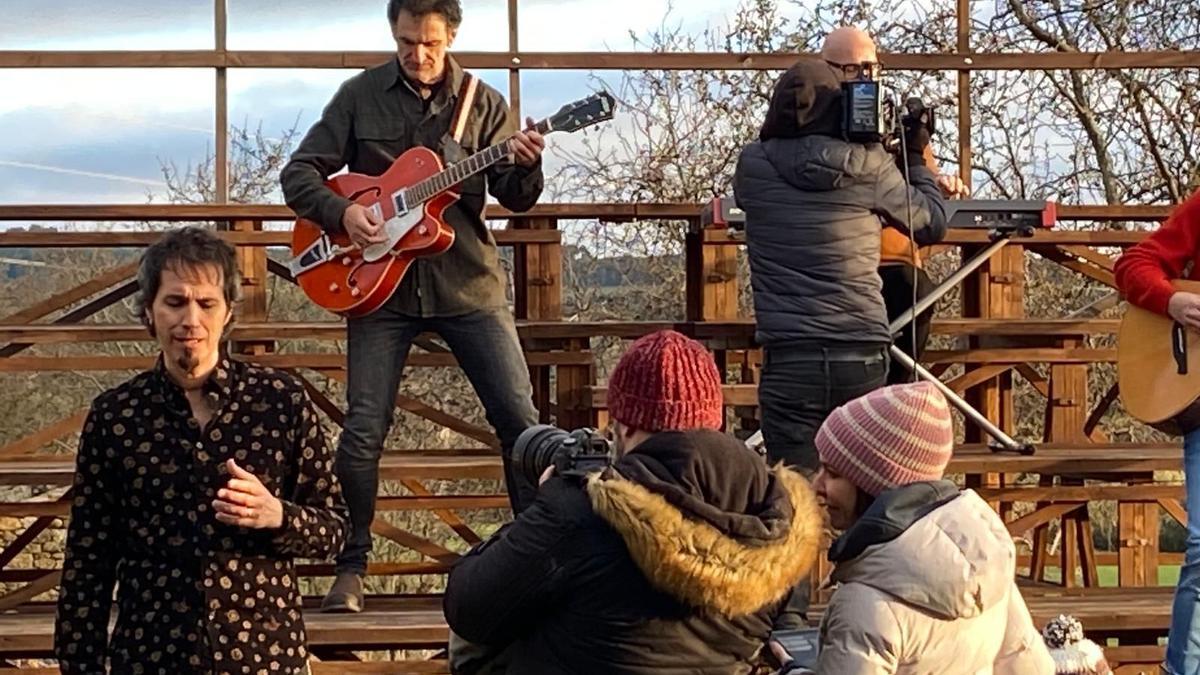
(466, 97)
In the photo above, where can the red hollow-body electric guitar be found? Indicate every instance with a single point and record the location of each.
(410, 198)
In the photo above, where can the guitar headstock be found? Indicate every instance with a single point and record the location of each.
(581, 114)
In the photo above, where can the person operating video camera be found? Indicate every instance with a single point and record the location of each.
(852, 51)
(672, 559)
(814, 188)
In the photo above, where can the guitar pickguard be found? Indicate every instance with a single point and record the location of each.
(395, 229)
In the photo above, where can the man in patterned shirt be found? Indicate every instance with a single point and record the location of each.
(197, 483)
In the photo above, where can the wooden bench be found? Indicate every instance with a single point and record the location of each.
(416, 622)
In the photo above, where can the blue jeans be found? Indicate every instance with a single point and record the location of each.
(1183, 642)
(486, 345)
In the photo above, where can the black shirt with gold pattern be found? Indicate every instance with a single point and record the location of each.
(194, 595)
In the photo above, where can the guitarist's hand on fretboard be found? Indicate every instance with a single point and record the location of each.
(527, 145)
(1184, 307)
(363, 225)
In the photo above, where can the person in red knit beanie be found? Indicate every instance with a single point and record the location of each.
(675, 559)
(924, 572)
(1144, 275)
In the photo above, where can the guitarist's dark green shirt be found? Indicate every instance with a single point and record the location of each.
(376, 116)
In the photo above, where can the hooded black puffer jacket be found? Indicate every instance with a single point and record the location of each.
(671, 563)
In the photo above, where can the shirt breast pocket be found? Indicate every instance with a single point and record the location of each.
(389, 134)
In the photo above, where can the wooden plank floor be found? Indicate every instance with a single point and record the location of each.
(414, 622)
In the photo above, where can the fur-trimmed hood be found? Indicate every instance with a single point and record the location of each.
(708, 523)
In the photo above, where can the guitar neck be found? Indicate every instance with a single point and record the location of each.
(460, 171)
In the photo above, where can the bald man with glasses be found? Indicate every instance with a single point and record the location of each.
(852, 51)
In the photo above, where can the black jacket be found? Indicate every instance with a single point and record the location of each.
(814, 207)
(673, 562)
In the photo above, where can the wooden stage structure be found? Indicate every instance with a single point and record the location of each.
(1075, 463)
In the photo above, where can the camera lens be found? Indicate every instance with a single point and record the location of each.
(535, 449)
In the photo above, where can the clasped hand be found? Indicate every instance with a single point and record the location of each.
(246, 502)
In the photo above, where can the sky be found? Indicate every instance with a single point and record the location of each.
(102, 135)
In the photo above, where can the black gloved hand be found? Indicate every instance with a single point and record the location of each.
(916, 138)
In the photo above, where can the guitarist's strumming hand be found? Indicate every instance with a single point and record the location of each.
(527, 145)
(363, 226)
(1184, 307)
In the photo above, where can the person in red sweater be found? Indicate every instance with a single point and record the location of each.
(1144, 274)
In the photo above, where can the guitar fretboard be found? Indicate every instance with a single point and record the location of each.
(457, 173)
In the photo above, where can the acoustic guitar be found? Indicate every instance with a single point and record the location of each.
(410, 198)
(1158, 364)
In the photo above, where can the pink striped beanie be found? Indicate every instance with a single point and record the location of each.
(892, 436)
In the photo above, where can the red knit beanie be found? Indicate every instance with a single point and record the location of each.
(666, 382)
(892, 436)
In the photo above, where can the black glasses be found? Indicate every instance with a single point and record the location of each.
(856, 70)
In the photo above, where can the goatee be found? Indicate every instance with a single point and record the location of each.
(187, 361)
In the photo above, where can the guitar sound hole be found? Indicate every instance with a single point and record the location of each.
(373, 191)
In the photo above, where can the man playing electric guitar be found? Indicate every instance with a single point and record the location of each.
(416, 99)
(1144, 275)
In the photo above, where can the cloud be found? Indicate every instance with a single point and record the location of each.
(80, 135)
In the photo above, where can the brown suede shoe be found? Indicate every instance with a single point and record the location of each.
(346, 596)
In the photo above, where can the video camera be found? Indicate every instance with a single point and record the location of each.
(870, 116)
(573, 454)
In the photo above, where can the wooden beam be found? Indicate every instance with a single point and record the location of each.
(514, 72)
(432, 414)
(1089, 255)
(1093, 420)
(603, 211)
(212, 58)
(27, 444)
(1021, 355)
(733, 328)
(1137, 538)
(1040, 517)
(1175, 509)
(1067, 403)
(1083, 493)
(976, 377)
(1034, 378)
(46, 582)
(23, 540)
(1025, 327)
(221, 109)
(421, 545)
(422, 409)
(960, 237)
(124, 239)
(315, 361)
(1071, 262)
(389, 503)
(537, 274)
(414, 486)
(431, 503)
(448, 517)
(963, 45)
(112, 297)
(70, 296)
